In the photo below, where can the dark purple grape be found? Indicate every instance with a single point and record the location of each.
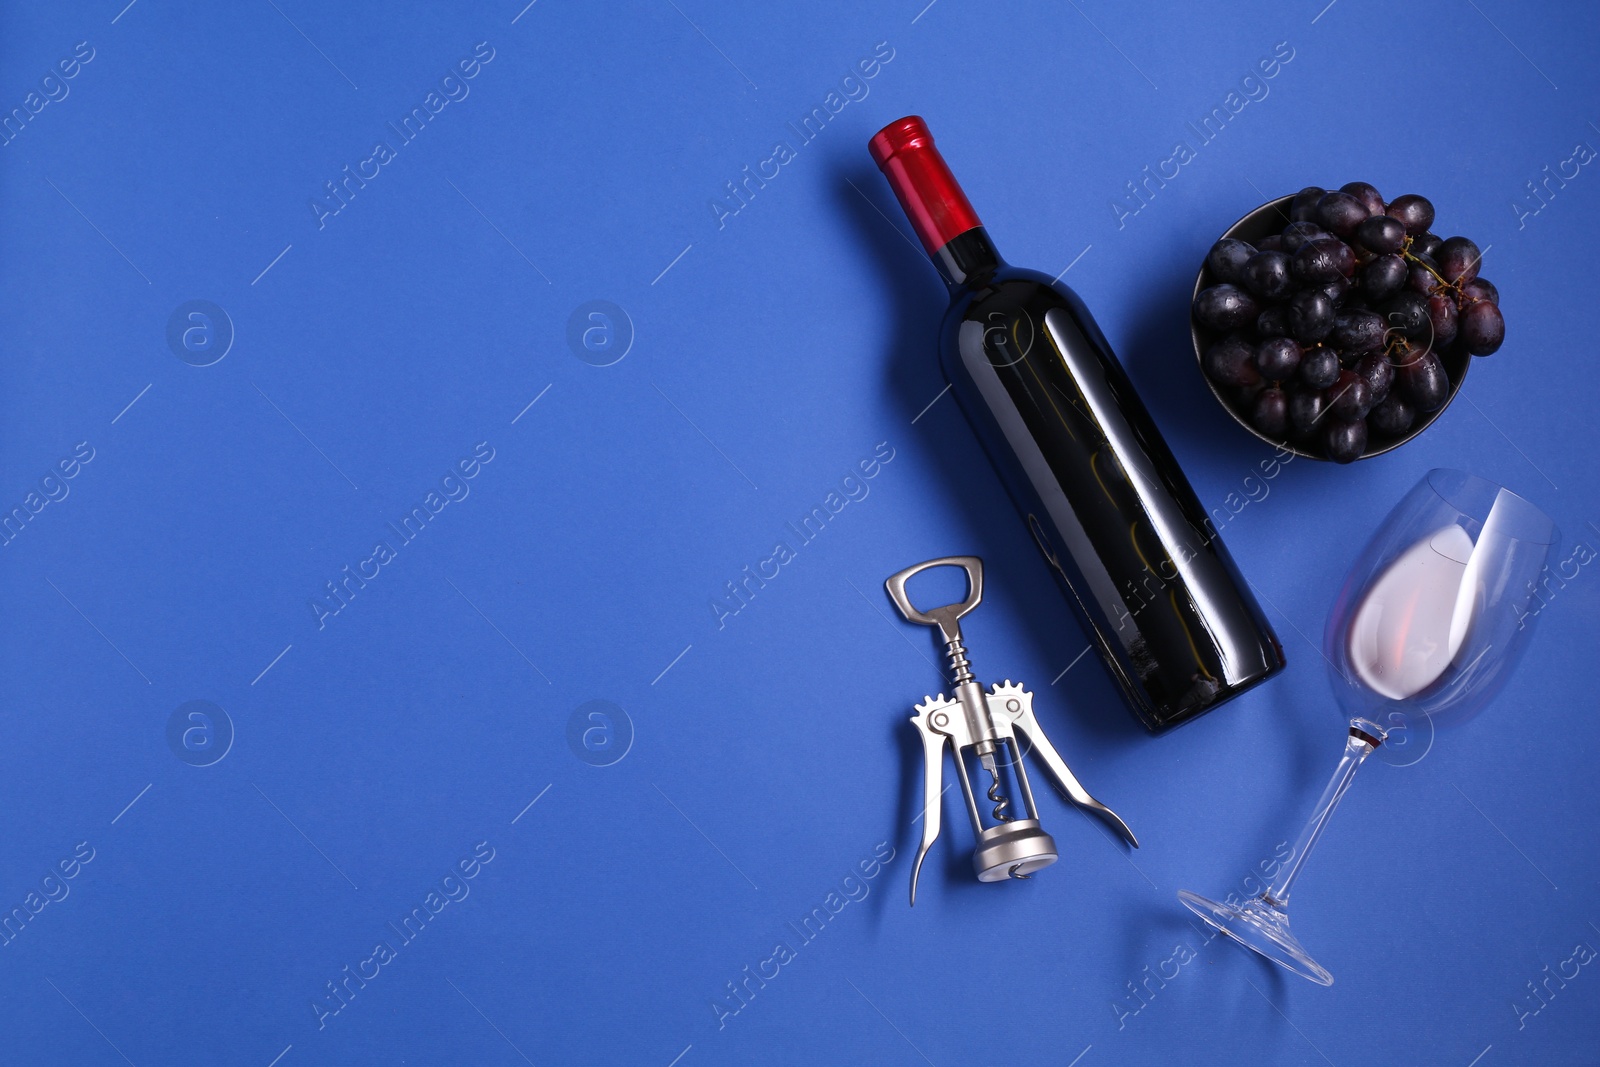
(1343, 255)
(1298, 233)
(1481, 289)
(1227, 258)
(1273, 322)
(1383, 277)
(1357, 332)
(1304, 206)
(1443, 317)
(1482, 328)
(1420, 278)
(1340, 213)
(1426, 245)
(1225, 307)
(1278, 358)
(1274, 243)
(1414, 212)
(1270, 413)
(1316, 263)
(1306, 408)
(1391, 416)
(1376, 370)
(1458, 259)
(1310, 315)
(1337, 290)
(1381, 234)
(1366, 194)
(1231, 361)
(1319, 367)
(1423, 382)
(1344, 441)
(1351, 398)
(1266, 274)
(1407, 313)
(1405, 353)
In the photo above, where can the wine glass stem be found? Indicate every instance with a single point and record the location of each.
(1358, 746)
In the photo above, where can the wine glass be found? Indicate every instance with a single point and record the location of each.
(1429, 624)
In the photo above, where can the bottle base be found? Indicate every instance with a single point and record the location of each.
(1162, 721)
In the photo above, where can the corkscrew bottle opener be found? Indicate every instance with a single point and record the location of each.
(985, 724)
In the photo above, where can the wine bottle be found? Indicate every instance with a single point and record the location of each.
(1099, 489)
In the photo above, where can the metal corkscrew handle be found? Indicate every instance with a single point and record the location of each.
(947, 618)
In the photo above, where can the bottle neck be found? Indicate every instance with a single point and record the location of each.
(967, 259)
(939, 211)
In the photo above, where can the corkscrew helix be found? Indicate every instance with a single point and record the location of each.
(985, 724)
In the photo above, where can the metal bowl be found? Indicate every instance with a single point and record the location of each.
(1265, 220)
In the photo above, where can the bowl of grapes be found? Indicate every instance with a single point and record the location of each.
(1338, 325)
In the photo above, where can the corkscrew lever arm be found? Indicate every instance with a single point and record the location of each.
(1022, 718)
(932, 792)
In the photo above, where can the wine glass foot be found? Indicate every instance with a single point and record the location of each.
(1261, 927)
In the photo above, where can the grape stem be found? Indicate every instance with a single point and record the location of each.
(1452, 287)
(1401, 347)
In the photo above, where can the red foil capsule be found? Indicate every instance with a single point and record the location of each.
(917, 173)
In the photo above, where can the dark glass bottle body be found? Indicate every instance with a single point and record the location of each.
(1103, 497)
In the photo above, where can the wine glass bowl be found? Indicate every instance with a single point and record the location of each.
(1433, 616)
(1428, 626)
(1267, 219)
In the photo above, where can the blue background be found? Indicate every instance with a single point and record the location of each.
(765, 759)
